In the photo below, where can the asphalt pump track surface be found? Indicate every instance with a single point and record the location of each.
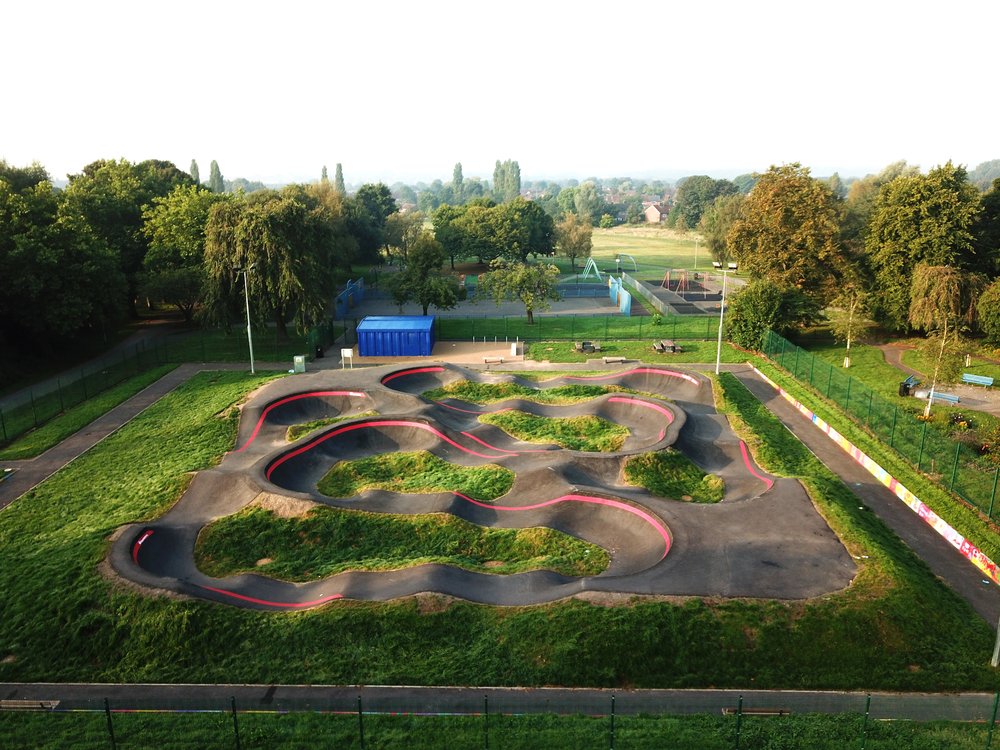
(764, 540)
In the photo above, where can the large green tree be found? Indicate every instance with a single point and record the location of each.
(111, 196)
(422, 280)
(338, 179)
(194, 172)
(215, 181)
(574, 238)
(717, 220)
(506, 181)
(789, 232)
(533, 284)
(987, 230)
(175, 263)
(919, 219)
(762, 305)
(694, 195)
(60, 280)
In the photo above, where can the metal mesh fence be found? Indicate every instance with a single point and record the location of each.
(455, 718)
(42, 403)
(955, 465)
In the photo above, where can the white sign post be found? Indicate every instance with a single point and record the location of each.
(346, 354)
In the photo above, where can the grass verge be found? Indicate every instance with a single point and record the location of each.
(72, 420)
(693, 351)
(896, 628)
(415, 471)
(583, 433)
(671, 474)
(491, 393)
(328, 541)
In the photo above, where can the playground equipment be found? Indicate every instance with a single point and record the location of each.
(618, 261)
(678, 274)
(591, 266)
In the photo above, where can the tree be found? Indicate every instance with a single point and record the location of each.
(942, 302)
(985, 174)
(533, 284)
(450, 233)
(111, 195)
(520, 227)
(761, 305)
(788, 232)
(59, 278)
(588, 202)
(919, 219)
(988, 311)
(457, 183)
(506, 181)
(338, 179)
(574, 238)
(402, 231)
(987, 230)
(174, 265)
(852, 300)
(215, 182)
(694, 196)
(422, 281)
(323, 175)
(378, 201)
(717, 220)
(195, 174)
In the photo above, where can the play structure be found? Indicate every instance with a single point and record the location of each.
(676, 280)
(657, 546)
(591, 267)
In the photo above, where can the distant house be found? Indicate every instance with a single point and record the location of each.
(656, 213)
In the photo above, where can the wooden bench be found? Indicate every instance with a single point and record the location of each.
(493, 360)
(616, 360)
(730, 711)
(27, 705)
(982, 380)
(658, 347)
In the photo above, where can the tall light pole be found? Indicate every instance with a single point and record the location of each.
(246, 292)
(722, 308)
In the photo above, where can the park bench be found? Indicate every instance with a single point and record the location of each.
(907, 386)
(977, 379)
(665, 345)
(616, 360)
(948, 398)
(493, 360)
(27, 705)
(730, 711)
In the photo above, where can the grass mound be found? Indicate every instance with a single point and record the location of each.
(415, 471)
(584, 433)
(296, 431)
(671, 474)
(329, 541)
(491, 393)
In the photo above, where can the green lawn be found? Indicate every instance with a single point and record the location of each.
(296, 431)
(584, 433)
(328, 541)
(694, 351)
(896, 628)
(491, 393)
(603, 328)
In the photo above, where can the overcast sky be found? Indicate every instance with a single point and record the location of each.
(401, 91)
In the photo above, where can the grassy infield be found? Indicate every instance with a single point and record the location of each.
(63, 621)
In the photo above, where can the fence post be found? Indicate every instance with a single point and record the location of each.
(920, 454)
(236, 726)
(993, 495)
(486, 722)
(892, 434)
(612, 745)
(111, 726)
(739, 721)
(989, 733)
(954, 467)
(3, 425)
(829, 381)
(847, 401)
(361, 724)
(62, 406)
(34, 416)
(864, 725)
(812, 369)
(868, 417)
(795, 367)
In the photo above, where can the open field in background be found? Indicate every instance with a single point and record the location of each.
(64, 621)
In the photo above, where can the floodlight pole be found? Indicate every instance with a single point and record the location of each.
(722, 308)
(246, 291)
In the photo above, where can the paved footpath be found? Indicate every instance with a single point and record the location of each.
(470, 701)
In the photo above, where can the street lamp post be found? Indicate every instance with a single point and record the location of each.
(246, 292)
(722, 308)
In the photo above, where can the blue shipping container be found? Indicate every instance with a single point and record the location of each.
(396, 336)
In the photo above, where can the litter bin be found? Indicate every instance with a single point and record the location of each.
(319, 352)
(299, 363)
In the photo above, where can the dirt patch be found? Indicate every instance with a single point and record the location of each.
(430, 603)
(282, 507)
(8, 659)
(264, 561)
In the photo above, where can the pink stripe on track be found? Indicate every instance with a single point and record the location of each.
(637, 370)
(138, 543)
(412, 371)
(265, 602)
(365, 425)
(491, 447)
(289, 399)
(647, 517)
(746, 460)
(646, 404)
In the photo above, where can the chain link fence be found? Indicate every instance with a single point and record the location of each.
(41, 403)
(958, 467)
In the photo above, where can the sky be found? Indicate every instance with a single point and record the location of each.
(398, 91)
